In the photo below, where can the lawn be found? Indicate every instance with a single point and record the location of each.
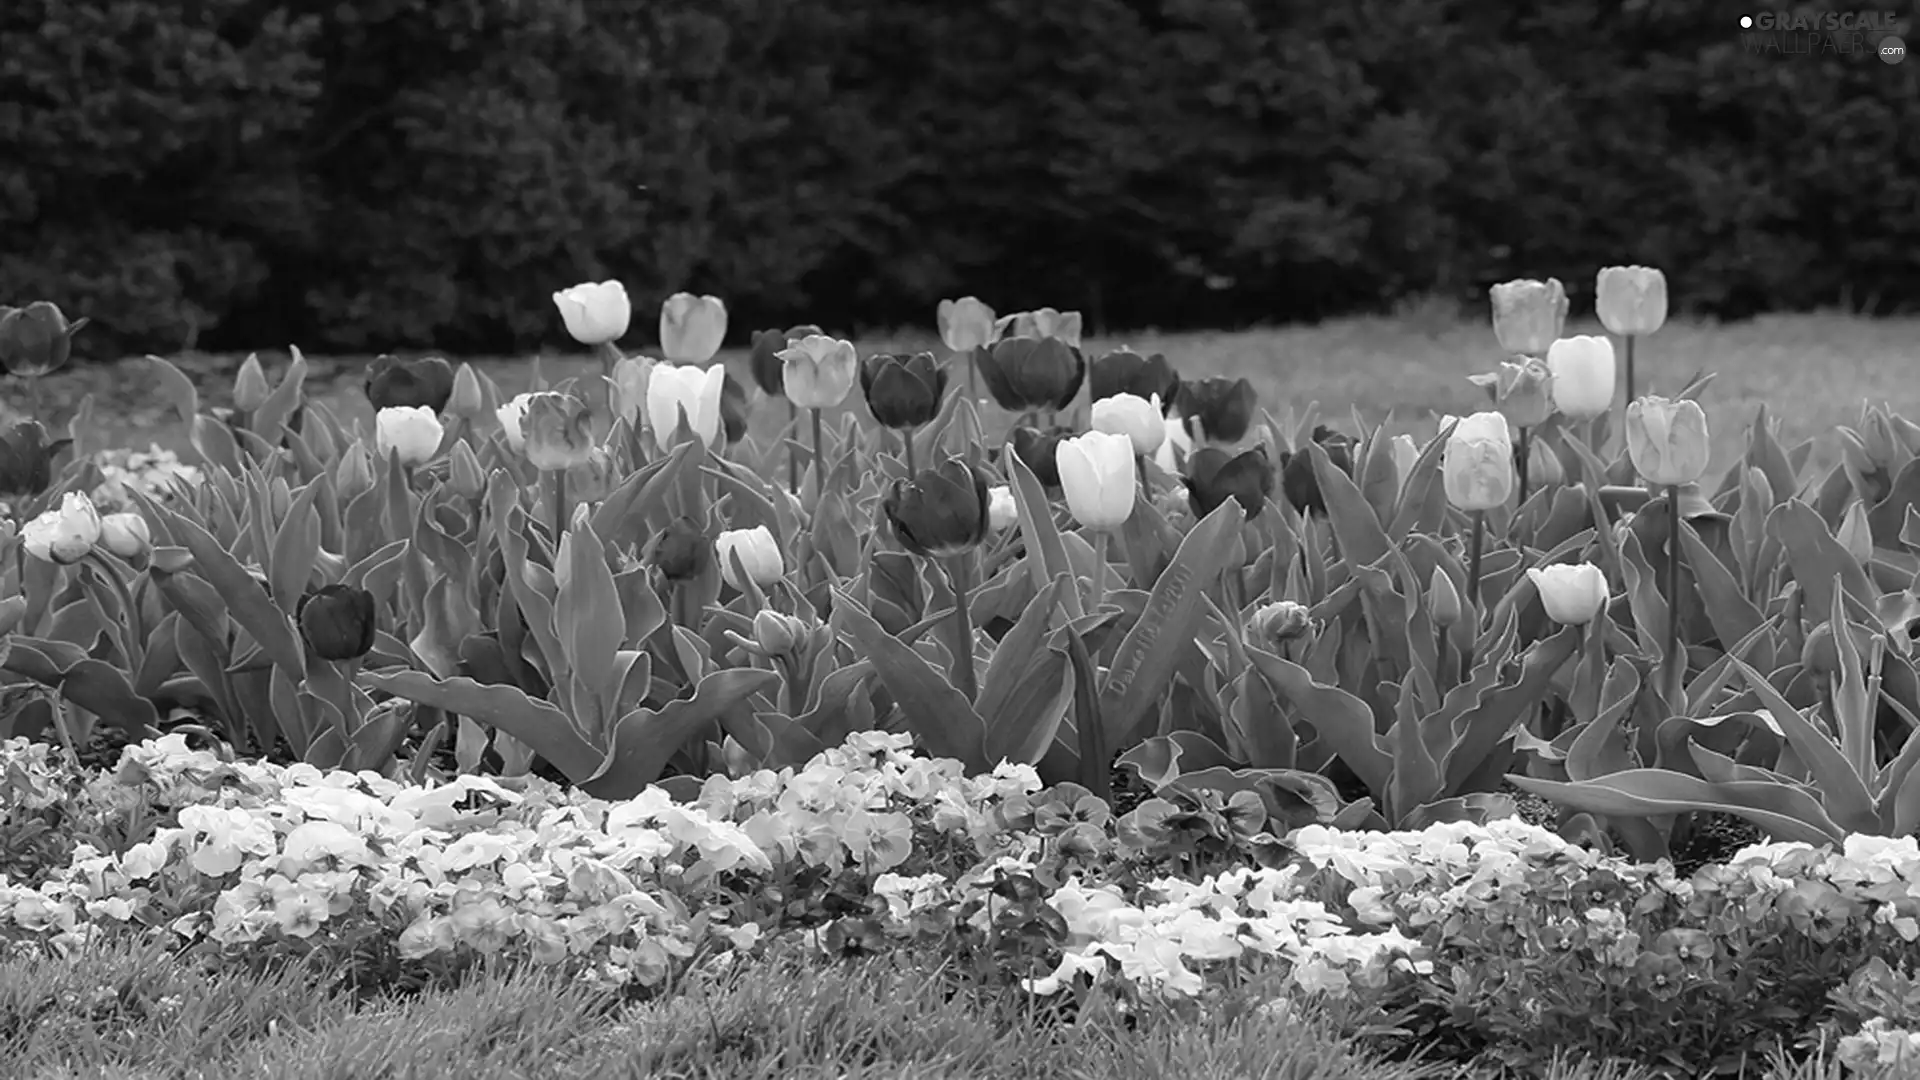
(1813, 372)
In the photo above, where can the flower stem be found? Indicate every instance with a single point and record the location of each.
(559, 508)
(33, 399)
(1473, 561)
(1676, 654)
(1630, 341)
(129, 614)
(1099, 569)
(959, 576)
(1522, 450)
(793, 459)
(973, 373)
(906, 437)
(819, 457)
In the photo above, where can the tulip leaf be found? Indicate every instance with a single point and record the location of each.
(1476, 732)
(1818, 561)
(295, 547)
(589, 623)
(1784, 811)
(1417, 777)
(1842, 790)
(1292, 798)
(273, 415)
(1362, 541)
(1600, 749)
(247, 601)
(1144, 664)
(1728, 610)
(1028, 716)
(176, 388)
(1338, 718)
(94, 685)
(551, 733)
(1046, 555)
(644, 740)
(1478, 807)
(1020, 653)
(1260, 723)
(939, 715)
(1163, 759)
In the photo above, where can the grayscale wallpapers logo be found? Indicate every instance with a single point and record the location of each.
(1829, 33)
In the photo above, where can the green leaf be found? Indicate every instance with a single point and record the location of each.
(1362, 541)
(1339, 718)
(1163, 759)
(1021, 683)
(1477, 731)
(247, 602)
(271, 417)
(1046, 555)
(939, 715)
(1600, 749)
(589, 623)
(644, 740)
(94, 685)
(1818, 561)
(551, 733)
(295, 547)
(1145, 661)
(1842, 790)
(1785, 812)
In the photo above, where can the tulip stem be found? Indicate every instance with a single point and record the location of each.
(973, 373)
(1473, 561)
(1630, 340)
(1522, 451)
(1099, 569)
(959, 577)
(793, 459)
(819, 457)
(129, 620)
(906, 438)
(559, 508)
(1676, 654)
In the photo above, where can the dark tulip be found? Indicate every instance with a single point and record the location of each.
(338, 622)
(941, 511)
(1298, 480)
(681, 551)
(769, 371)
(1224, 407)
(1214, 476)
(903, 391)
(426, 382)
(1124, 371)
(35, 340)
(1024, 373)
(733, 408)
(26, 459)
(1037, 450)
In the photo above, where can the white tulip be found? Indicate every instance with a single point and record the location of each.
(1138, 418)
(1406, 454)
(965, 323)
(1477, 464)
(1572, 595)
(758, 552)
(1175, 447)
(1631, 299)
(1583, 381)
(595, 314)
(126, 535)
(63, 534)
(1044, 323)
(676, 390)
(1098, 477)
(510, 416)
(1002, 511)
(412, 431)
(692, 328)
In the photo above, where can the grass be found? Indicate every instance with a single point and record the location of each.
(1813, 372)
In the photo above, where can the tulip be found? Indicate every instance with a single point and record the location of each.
(769, 371)
(1126, 372)
(513, 418)
(1176, 447)
(756, 552)
(558, 431)
(425, 383)
(35, 340)
(819, 371)
(1039, 452)
(682, 551)
(630, 377)
(1667, 440)
(1631, 300)
(592, 480)
(412, 432)
(1854, 534)
(1521, 392)
(676, 392)
(1406, 454)
(1582, 376)
(1477, 463)
(1044, 323)
(1221, 407)
(353, 477)
(337, 622)
(1300, 481)
(595, 314)
(778, 635)
(1003, 511)
(63, 534)
(903, 391)
(1278, 626)
(1528, 315)
(250, 389)
(464, 474)
(1443, 600)
(940, 513)
(692, 328)
(26, 459)
(467, 400)
(1214, 476)
(1099, 478)
(965, 324)
(126, 535)
(1139, 419)
(1572, 595)
(1026, 374)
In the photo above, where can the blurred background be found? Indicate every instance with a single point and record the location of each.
(398, 174)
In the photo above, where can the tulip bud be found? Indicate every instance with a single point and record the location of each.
(1583, 376)
(1477, 463)
(35, 340)
(757, 552)
(337, 622)
(1275, 626)
(1027, 373)
(26, 459)
(353, 476)
(1223, 408)
(1521, 392)
(593, 479)
(903, 391)
(965, 323)
(513, 417)
(464, 474)
(126, 535)
(1631, 299)
(426, 383)
(1667, 440)
(1139, 419)
(1099, 478)
(1528, 315)
(467, 400)
(1214, 476)
(595, 314)
(692, 328)
(819, 371)
(412, 432)
(63, 534)
(777, 634)
(1124, 371)
(1043, 323)
(250, 389)
(676, 392)
(1406, 454)
(1855, 535)
(1572, 595)
(1003, 512)
(558, 432)
(1443, 600)
(682, 552)
(940, 512)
